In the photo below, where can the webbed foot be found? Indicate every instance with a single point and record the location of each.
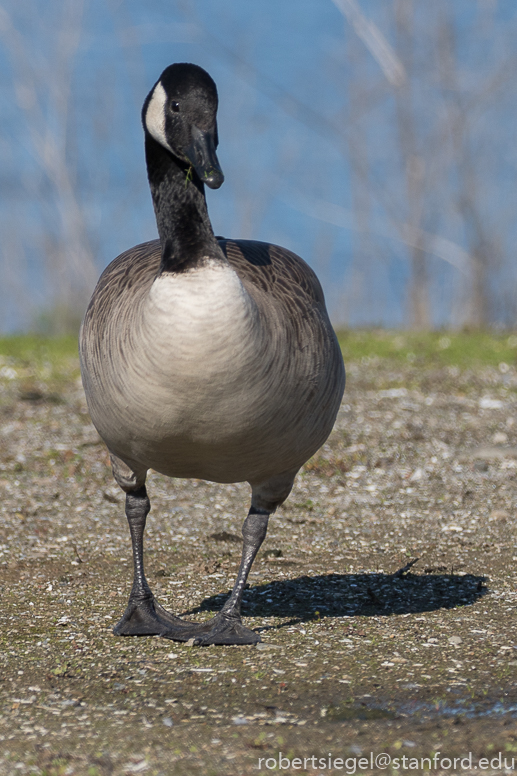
(146, 617)
(226, 630)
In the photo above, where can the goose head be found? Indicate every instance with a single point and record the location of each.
(180, 114)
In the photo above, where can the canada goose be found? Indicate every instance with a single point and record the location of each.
(204, 357)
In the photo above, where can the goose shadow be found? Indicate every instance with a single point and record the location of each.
(351, 595)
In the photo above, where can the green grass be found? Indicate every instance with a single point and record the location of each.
(39, 361)
(444, 348)
(33, 347)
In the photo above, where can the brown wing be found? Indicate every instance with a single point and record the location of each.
(134, 269)
(277, 271)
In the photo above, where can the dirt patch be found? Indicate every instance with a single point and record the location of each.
(363, 650)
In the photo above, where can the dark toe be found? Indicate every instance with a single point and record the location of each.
(227, 632)
(145, 618)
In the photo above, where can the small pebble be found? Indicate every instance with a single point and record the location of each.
(167, 721)
(261, 646)
(456, 640)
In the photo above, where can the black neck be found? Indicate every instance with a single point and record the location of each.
(186, 234)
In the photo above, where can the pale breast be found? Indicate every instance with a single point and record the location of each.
(198, 321)
(207, 378)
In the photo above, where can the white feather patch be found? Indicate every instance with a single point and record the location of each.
(212, 291)
(155, 116)
(205, 312)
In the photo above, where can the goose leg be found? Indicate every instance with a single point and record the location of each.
(226, 627)
(144, 616)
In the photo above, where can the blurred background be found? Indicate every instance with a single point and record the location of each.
(375, 138)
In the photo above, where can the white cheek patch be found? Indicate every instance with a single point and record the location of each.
(155, 116)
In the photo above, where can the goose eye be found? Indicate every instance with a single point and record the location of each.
(175, 107)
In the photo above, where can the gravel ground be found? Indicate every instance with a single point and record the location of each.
(385, 592)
